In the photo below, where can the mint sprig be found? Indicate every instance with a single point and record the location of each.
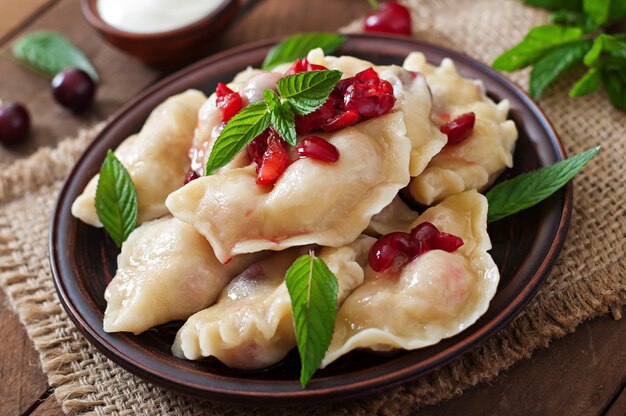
(49, 53)
(281, 116)
(530, 188)
(307, 91)
(301, 94)
(313, 291)
(116, 200)
(583, 33)
(298, 46)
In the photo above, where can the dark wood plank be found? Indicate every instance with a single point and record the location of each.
(122, 78)
(48, 407)
(577, 375)
(17, 12)
(21, 379)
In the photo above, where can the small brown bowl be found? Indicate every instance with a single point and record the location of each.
(165, 49)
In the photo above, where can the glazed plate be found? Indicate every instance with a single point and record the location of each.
(525, 247)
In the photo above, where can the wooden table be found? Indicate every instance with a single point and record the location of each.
(581, 374)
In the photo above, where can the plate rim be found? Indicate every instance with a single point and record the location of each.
(332, 393)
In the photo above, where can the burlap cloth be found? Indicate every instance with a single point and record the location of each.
(587, 281)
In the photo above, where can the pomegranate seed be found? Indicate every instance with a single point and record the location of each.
(275, 161)
(391, 17)
(460, 128)
(345, 119)
(190, 176)
(367, 75)
(318, 118)
(228, 101)
(317, 148)
(390, 249)
(397, 249)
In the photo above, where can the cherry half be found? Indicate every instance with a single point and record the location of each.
(14, 123)
(228, 101)
(391, 17)
(459, 129)
(73, 88)
(395, 250)
(317, 148)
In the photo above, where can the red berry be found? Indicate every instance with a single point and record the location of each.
(394, 250)
(460, 128)
(390, 250)
(370, 96)
(14, 123)
(228, 101)
(303, 65)
(190, 176)
(257, 147)
(391, 17)
(345, 119)
(315, 120)
(73, 88)
(275, 161)
(317, 148)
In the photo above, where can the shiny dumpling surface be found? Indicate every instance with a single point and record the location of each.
(166, 271)
(156, 158)
(313, 202)
(476, 162)
(436, 296)
(396, 216)
(251, 325)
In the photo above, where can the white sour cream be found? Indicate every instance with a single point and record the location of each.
(154, 16)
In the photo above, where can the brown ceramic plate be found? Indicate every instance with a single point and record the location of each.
(525, 247)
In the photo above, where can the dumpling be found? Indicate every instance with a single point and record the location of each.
(413, 100)
(396, 216)
(156, 158)
(165, 272)
(250, 83)
(311, 203)
(436, 296)
(476, 162)
(251, 325)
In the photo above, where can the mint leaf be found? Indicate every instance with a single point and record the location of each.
(298, 46)
(574, 5)
(307, 91)
(615, 85)
(587, 84)
(618, 10)
(555, 63)
(530, 188)
(116, 200)
(570, 18)
(598, 10)
(240, 130)
(614, 45)
(313, 291)
(536, 44)
(50, 53)
(281, 117)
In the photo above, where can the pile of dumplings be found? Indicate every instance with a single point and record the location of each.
(214, 252)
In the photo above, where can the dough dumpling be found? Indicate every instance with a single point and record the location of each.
(156, 158)
(396, 216)
(313, 202)
(165, 272)
(476, 162)
(435, 296)
(251, 325)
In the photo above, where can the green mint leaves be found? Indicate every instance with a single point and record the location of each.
(307, 91)
(116, 200)
(582, 34)
(240, 130)
(530, 188)
(300, 94)
(313, 291)
(298, 46)
(50, 53)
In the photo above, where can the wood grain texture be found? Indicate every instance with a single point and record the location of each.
(21, 379)
(17, 12)
(577, 375)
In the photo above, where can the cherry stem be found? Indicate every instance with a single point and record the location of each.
(373, 4)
